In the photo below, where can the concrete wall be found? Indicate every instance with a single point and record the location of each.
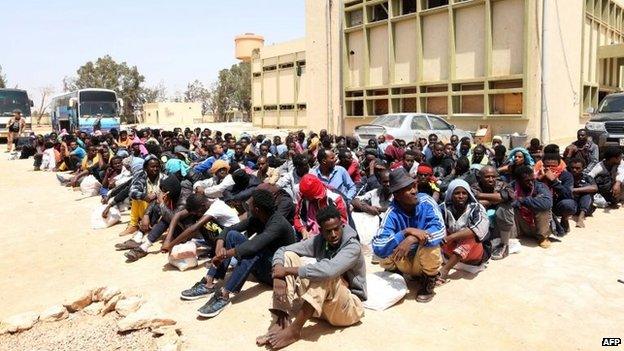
(172, 113)
(324, 78)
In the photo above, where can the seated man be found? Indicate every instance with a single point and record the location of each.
(315, 195)
(497, 196)
(583, 190)
(266, 174)
(609, 175)
(409, 237)
(467, 225)
(554, 175)
(332, 288)
(220, 181)
(584, 149)
(427, 182)
(253, 254)
(533, 206)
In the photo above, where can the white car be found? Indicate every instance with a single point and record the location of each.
(409, 127)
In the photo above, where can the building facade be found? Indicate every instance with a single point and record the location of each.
(519, 66)
(172, 113)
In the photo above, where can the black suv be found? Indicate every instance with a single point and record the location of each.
(606, 125)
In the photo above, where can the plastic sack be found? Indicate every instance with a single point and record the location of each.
(185, 250)
(90, 186)
(514, 245)
(600, 202)
(366, 226)
(183, 256)
(98, 222)
(384, 290)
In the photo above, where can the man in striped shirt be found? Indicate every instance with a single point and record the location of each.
(410, 235)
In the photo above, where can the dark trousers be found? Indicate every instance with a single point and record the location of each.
(585, 203)
(120, 193)
(38, 160)
(565, 207)
(260, 265)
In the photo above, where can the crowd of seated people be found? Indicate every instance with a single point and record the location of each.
(301, 213)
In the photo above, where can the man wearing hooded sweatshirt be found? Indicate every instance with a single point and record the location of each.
(467, 225)
(410, 235)
(331, 288)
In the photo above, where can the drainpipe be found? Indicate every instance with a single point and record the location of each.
(328, 80)
(545, 133)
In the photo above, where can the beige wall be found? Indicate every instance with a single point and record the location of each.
(277, 84)
(172, 113)
(323, 52)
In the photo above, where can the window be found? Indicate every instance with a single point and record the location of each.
(391, 121)
(408, 6)
(380, 12)
(438, 124)
(419, 123)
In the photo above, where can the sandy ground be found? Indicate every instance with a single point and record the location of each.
(564, 298)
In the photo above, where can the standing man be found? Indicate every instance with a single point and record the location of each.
(15, 127)
(410, 236)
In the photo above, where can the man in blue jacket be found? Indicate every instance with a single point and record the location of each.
(411, 233)
(532, 205)
(560, 182)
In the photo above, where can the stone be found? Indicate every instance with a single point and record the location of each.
(128, 305)
(21, 322)
(106, 293)
(148, 316)
(95, 292)
(78, 301)
(162, 330)
(111, 304)
(94, 308)
(54, 313)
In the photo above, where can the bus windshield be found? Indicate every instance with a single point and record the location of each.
(98, 103)
(13, 99)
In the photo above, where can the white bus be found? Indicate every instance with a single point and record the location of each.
(86, 110)
(10, 100)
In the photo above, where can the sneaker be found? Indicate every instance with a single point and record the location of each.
(214, 306)
(500, 252)
(544, 243)
(198, 291)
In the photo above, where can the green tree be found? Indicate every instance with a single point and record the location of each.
(106, 73)
(232, 90)
(196, 92)
(157, 93)
(3, 81)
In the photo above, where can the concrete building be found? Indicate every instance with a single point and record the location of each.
(526, 66)
(172, 113)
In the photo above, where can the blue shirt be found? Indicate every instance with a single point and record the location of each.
(79, 152)
(340, 180)
(426, 216)
(207, 164)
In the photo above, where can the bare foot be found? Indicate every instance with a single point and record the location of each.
(580, 223)
(129, 230)
(264, 339)
(284, 337)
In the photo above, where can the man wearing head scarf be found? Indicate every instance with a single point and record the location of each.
(314, 196)
(410, 235)
(467, 225)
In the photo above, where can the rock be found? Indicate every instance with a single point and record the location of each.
(94, 308)
(162, 330)
(21, 322)
(54, 313)
(78, 301)
(95, 292)
(106, 293)
(110, 305)
(4, 328)
(128, 305)
(148, 316)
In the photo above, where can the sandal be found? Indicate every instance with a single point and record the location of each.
(135, 254)
(441, 281)
(127, 245)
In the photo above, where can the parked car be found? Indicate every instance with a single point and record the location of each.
(606, 125)
(408, 126)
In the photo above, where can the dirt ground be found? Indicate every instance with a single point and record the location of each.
(564, 298)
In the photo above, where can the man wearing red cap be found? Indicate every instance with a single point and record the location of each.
(314, 196)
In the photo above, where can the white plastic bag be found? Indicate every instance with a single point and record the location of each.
(600, 202)
(384, 290)
(366, 226)
(90, 186)
(98, 222)
(183, 256)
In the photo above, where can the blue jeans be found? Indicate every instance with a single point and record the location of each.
(260, 265)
